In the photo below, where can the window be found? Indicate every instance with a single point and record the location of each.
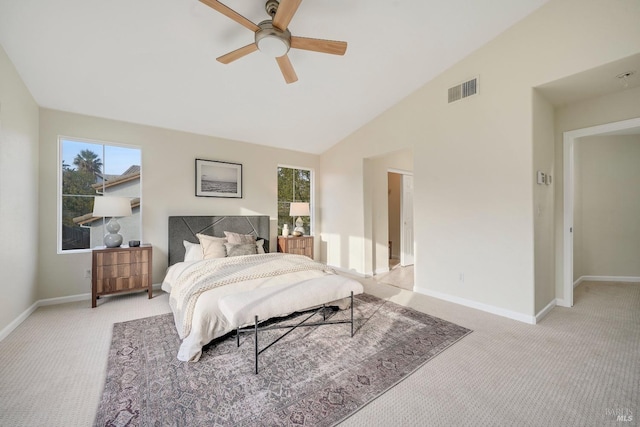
(93, 169)
(294, 185)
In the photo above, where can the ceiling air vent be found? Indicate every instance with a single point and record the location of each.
(463, 90)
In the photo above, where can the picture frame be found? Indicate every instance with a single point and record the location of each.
(218, 179)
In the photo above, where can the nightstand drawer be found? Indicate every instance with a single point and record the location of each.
(122, 257)
(120, 270)
(296, 245)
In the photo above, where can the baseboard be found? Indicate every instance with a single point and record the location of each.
(633, 279)
(46, 302)
(478, 306)
(382, 270)
(64, 300)
(18, 320)
(545, 311)
(561, 303)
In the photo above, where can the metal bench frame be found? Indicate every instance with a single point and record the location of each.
(257, 328)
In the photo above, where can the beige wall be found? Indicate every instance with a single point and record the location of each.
(473, 160)
(607, 234)
(543, 202)
(168, 162)
(18, 194)
(609, 108)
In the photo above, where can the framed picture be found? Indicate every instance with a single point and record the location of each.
(218, 179)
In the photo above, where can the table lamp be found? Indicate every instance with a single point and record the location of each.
(299, 209)
(113, 207)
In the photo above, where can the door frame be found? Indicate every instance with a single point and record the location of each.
(569, 139)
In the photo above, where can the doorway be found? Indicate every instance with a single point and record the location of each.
(400, 229)
(569, 140)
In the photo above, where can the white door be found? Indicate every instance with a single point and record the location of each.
(406, 232)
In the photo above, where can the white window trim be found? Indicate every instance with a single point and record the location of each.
(312, 194)
(59, 250)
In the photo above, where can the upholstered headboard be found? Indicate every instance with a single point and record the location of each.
(186, 227)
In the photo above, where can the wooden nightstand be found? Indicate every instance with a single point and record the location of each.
(123, 269)
(302, 245)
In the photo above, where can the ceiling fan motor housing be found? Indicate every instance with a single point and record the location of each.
(271, 6)
(271, 40)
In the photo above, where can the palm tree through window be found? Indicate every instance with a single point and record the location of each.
(89, 170)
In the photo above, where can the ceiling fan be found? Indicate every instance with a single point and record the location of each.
(273, 38)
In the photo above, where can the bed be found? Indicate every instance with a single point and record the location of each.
(203, 290)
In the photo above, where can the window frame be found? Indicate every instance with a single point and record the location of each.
(312, 180)
(59, 195)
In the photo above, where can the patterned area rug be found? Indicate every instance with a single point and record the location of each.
(316, 376)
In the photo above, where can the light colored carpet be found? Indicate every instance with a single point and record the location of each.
(398, 276)
(578, 367)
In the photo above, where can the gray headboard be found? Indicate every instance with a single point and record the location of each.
(186, 227)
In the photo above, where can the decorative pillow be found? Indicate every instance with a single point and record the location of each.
(193, 251)
(238, 239)
(241, 249)
(260, 246)
(212, 247)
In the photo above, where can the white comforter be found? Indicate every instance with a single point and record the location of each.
(208, 321)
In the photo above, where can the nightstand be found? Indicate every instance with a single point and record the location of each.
(123, 269)
(302, 245)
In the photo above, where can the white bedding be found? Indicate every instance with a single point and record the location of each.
(209, 322)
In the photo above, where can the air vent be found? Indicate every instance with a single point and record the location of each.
(463, 90)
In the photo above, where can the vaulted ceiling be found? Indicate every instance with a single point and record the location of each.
(154, 62)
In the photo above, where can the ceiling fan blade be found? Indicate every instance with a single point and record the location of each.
(319, 45)
(287, 69)
(237, 54)
(286, 10)
(230, 13)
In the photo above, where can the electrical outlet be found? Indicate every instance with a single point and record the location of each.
(87, 273)
(461, 277)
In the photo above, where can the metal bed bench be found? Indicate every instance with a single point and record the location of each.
(246, 310)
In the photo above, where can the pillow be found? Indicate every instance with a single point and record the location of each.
(241, 249)
(192, 251)
(212, 247)
(238, 239)
(260, 246)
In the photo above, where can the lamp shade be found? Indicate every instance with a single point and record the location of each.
(111, 206)
(299, 209)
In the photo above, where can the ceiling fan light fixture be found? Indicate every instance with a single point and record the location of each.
(272, 41)
(273, 38)
(272, 46)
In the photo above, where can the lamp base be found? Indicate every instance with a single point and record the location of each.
(299, 227)
(113, 239)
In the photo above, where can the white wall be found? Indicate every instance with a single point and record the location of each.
(473, 160)
(18, 194)
(168, 187)
(609, 108)
(607, 235)
(543, 202)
